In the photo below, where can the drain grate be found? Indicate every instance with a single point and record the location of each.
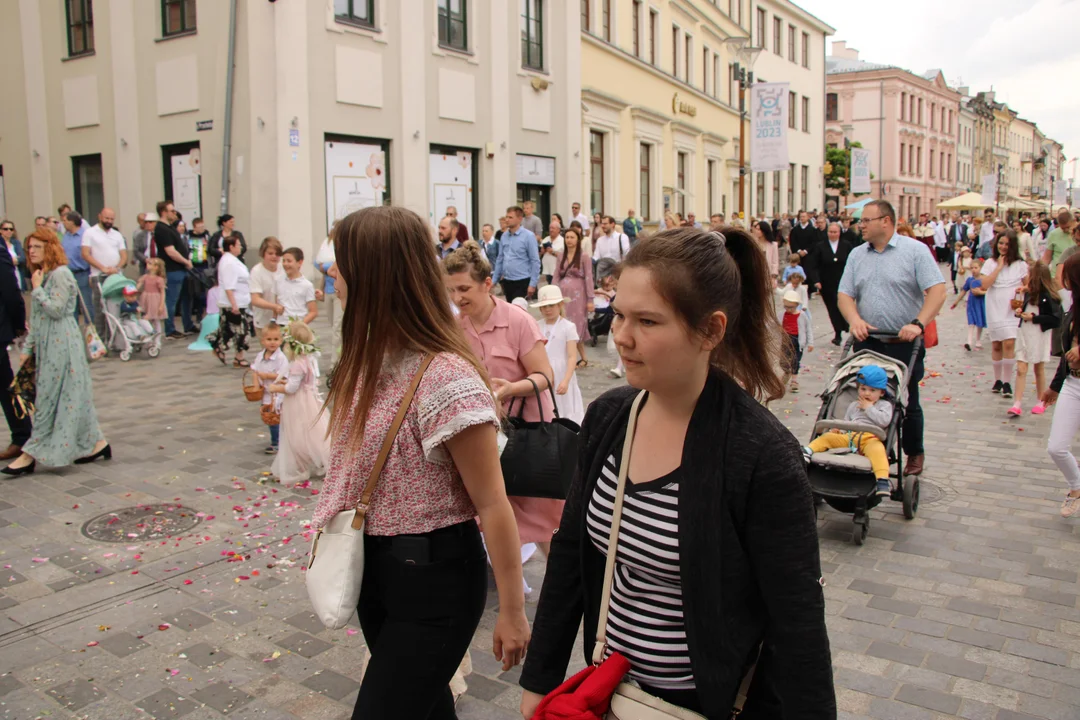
(931, 494)
(142, 522)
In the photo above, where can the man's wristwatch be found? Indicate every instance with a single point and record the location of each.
(918, 323)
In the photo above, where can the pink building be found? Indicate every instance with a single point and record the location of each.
(908, 122)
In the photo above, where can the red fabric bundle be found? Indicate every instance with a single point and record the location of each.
(587, 695)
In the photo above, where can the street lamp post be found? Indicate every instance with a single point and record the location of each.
(997, 195)
(745, 78)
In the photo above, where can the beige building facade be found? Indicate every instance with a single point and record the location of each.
(660, 106)
(336, 105)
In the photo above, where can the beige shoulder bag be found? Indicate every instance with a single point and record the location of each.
(629, 701)
(333, 584)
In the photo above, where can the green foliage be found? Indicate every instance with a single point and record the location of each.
(840, 177)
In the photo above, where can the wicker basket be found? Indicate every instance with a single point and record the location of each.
(254, 393)
(269, 416)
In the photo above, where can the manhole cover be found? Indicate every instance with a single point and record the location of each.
(143, 522)
(929, 493)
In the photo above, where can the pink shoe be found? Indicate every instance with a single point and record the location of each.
(1015, 410)
(1038, 409)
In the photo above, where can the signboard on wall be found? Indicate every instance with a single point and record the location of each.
(989, 189)
(451, 184)
(534, 169)
(768, 127)
(356, 177)
(186, 191)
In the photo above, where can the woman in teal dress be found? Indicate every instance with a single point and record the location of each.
(65, 424)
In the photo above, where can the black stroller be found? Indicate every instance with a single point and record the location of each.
(844, 479)
(599, 322)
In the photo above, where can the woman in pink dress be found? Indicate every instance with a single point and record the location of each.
(509, 344)
(573, 275)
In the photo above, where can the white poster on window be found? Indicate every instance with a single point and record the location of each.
(860, 171)
(989, 189)
(768, 127)
(1059, 193)
(355, 178)
(450, 179)
(186, 194)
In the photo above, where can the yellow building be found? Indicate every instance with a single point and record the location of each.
(660, 112)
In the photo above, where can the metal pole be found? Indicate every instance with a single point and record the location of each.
(997, 195)
(741, 73)
(881, 140)
(226, 151)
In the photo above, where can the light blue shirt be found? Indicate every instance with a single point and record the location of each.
(72, 243)
(888, 286)
(519, 257)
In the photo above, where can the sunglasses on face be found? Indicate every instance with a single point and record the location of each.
(6, 229)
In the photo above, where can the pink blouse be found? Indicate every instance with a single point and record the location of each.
(420, 489)
(509, 334)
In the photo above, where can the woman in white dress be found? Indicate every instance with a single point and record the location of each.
(1002, 276)
(560, 344)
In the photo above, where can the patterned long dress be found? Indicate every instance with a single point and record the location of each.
(576, 284)
(65, 424)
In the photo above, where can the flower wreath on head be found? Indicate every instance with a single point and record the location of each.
(298, 347)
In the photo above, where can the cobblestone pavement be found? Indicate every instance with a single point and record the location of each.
(970, 610)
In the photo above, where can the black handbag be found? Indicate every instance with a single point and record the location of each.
(1060, 336)
(539, 457)
(24, 388)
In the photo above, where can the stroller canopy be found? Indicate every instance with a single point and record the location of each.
(849, 368)
(114, 285)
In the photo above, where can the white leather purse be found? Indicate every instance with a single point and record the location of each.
(629, 701)
(333, 583)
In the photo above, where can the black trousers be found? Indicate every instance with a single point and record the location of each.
(420, 604)
(513, 289)
(829, 295)
(20, 428)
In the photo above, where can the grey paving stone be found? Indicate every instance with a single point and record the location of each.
(1034, 651)
(188, 620)
(70, 559)
(75, 694)
(122, 644)
(8, 684)
(864, 683)
(96, 483)
(10, 577)
(61, 585)
(888, 651)
(307, 622)
(167, 704)
(5, 506)
(893, 710)
(868, 615)
(235, 616)
(205, 655)
(80, 491)
(331, 684)
(1051, 596)
(6, 602)
(955, 666)
(222, 697)
(975, 608)
(872, 588)
(266, 583)
(90, 571)
(898, 607)
(930, 699)
(304, 644)
(485, 688)
(976, 638)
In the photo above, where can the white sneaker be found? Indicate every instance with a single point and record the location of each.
(615, 373)
(1070, 506)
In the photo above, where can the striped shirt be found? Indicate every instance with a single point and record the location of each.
(645, 618)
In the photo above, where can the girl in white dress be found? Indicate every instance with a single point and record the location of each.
(561, 338)
(304, 447)
(1002, 276)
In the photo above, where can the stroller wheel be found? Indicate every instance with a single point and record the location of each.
(911, 496)
(862, 529)
(125, 355)
(153, 351)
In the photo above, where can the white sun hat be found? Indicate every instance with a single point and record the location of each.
(549, 295)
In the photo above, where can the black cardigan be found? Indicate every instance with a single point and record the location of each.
(748, 558)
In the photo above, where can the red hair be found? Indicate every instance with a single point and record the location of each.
(54, 251)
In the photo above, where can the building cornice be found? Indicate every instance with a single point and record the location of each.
(590, 96)
(791, 8)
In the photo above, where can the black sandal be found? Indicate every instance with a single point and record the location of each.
(220, 354)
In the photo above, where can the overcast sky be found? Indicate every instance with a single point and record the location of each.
(1027, 50)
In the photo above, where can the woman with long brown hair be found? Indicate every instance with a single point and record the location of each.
(65, 424)
(574, 276)
(717, 550)
(1002, 277)
(509, 344)
(425, 573)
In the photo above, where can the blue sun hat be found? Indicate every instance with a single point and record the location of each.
(873, 376)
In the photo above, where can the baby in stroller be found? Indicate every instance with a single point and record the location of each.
(136, 329)
(873, 408)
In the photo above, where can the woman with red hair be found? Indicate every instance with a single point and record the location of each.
(65, 423)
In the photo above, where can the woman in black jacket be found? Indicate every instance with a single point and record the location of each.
(718, 552)
(1039, 313)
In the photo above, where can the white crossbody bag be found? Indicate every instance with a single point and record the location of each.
(629, 701)
(333, 583)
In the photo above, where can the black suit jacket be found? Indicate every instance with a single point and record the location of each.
(12, 308)
(802, 238)
(745, 512)
(828, 267)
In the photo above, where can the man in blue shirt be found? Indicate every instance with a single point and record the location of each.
(893, 284)
(517, 268)
(79, 267)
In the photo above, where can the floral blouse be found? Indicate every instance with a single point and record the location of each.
(420, 489)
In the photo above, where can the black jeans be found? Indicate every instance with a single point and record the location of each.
(832, 304)
(912, 429)
(514, 289)
(418, 620)
(20, 428)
